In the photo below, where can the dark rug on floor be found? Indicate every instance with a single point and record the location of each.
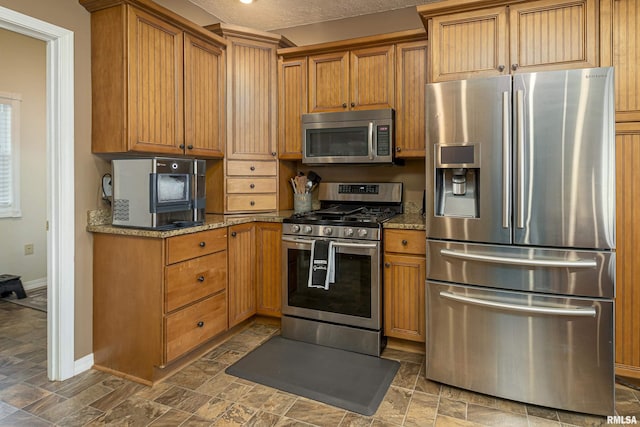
(36, 299)
(348, 380)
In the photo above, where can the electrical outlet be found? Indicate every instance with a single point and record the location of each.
(28, 249)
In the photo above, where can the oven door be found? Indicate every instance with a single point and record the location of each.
(354, 297)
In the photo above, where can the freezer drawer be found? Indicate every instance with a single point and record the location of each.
(539, 349)
(543, 270)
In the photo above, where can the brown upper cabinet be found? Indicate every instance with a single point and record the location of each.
(470, 39)
(385, 71)
(157, 81)
(361, 79)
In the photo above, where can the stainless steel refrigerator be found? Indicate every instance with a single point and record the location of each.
(520, 215)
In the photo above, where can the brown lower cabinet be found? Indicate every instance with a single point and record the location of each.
(242, 275)
(404, 287)
(155, 300)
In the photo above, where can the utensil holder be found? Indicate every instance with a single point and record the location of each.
(301, 202)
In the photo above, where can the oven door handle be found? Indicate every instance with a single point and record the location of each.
(582, 263)
(335, 244)
(296, 240)
(578, 311)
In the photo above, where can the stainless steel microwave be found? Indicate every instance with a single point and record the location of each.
(158, 192)
(364, 136)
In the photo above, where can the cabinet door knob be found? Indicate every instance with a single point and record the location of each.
(404, 243)
(386, 264)
(252, 168)
(182, 146)
(501, 68)
(344, 105)
(353, 104)
(202, 244)
(190, 147)
(398, 149)
(233, 234)
(252, 186)
(514, 66)
(200, 324)
(200, 278)
(273, 153)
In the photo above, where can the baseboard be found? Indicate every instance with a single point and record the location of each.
(33, 284)
(83, 364)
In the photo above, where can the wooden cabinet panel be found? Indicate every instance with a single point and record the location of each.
(292, 103)
(187, 246)
(155, 84)
(204, 106)
(251, 185)
(190, 327)
(372, 78)
(553, 34)
(622, 50)
(328, 82)
(469, 44)
(405, 241)
(251, 99)
(411, 77)
(189, 281)
(242, 285)
(404, 297)
(627, 321)
(268, 268)
(251, 168)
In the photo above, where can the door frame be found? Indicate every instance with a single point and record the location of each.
(60, 187)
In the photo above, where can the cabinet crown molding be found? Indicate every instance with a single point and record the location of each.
(230, 30)
(159, 11)
(350, 44)
(441, 7)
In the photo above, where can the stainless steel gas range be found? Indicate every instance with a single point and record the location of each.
(332, 279)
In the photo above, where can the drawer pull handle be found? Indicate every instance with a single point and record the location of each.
(252, 203)
(404, 243)
(233, 234)
(202, 244)
(252, 186)
(252, 168)
(200, 324)
(200, 278)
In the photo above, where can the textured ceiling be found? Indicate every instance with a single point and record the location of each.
(275, 14)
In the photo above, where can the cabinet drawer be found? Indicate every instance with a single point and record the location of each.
(187, 246)
(192, 280)
(193, 325)
(405, 241)
(251, 185)
(251, 202)
(251, 168)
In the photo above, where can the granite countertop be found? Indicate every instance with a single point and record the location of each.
(98, 221)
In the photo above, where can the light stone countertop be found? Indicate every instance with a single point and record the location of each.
(98, 222)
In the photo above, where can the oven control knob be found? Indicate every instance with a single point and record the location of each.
(307, 229)
(362, 232)
(348, 232)
(327, 231)
(295, 228)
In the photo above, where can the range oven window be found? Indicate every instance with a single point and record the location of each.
(348, 141)
(349, 295)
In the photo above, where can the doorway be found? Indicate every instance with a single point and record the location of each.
(60, 187)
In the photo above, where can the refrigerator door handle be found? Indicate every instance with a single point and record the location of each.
(506, 160)
(554, 311)
(579, 263)
(520, 157)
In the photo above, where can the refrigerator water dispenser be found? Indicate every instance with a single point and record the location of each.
(457, 169)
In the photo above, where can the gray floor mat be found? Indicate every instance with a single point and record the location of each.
(348, 380)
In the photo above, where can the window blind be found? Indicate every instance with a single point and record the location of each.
(9, 154)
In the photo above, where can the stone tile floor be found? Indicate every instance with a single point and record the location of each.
(203, 395)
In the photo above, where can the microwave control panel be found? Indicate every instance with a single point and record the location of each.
(384, 140)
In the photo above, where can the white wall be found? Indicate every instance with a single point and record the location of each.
(23, 71)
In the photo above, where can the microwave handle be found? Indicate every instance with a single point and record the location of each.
(370, 140)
